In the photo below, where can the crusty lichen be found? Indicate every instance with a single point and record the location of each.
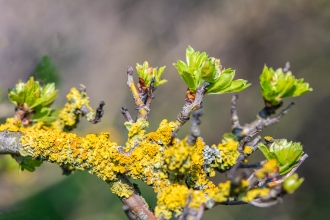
(69, 115)
(175, 172)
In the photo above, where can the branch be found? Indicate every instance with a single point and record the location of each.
(262, 122)
(278, 117)
(99, 113)
(265, 204)
(189, 107)
(234, 117)
(232, 174)
(136, 204)
(142, 112)
(286, 67)
(10, 142)
(194, 130)
(126, 114)
(191, 213)
(150, 94)
(292, 171)
(128, 212)
(254, 165)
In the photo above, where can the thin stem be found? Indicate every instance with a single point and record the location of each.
(194, 130)
(99, 113)
(188, 107)
(10, 142)
(150, 94)
(265, 204)
(142, 112)
(292, 171)
(278, 117)
(286, 67)
(234, 118)
(136, 203)
(126, 114)
(128, 213)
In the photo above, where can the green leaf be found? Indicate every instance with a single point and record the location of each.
(276, 85)
(292, 183)
(148, 73)
(46, 71)
(29, 164)
(286, 153)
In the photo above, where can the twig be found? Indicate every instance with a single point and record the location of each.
(263, 122)
(253, 165)
(189, 107)
(10, 142)
(232, 202)
(292, 171)
(126, 114)
(233, 171)
(249, 137)
(278, 117)
(150, 94)
(99, 113)
(234, 117)
(265, 204)
(190, 213)
(136, 203)
(286, 67)
(142, 112)
(194, 130)
(128, 213)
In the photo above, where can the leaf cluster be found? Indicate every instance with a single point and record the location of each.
(200, 68)
(29, 164)
(34, 98)
(276, 85)
(286, 153)
(147, 73)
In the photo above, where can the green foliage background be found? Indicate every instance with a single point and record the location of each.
(94, 42)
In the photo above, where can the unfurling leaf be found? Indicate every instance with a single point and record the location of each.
(29, 164)
(292, 183)
(286, 153)
(200, 68)
(276, 85)
(148, 73)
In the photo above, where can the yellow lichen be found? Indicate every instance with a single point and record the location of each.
(254, 193)
(177, 159)
(175, 172)
(68, 116)
(269, 168)
(135, 133)
(248, 150)
(228, 154)
(121, 188)
(219, 193)
(172, 199)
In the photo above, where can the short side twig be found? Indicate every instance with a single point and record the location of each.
(188, 107)
(99, 113)
(126, 114)
(194, 130)
(292, 171)
(234, 118)
(142, 112)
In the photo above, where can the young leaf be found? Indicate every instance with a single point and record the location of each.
(286, 153)
(292, 183)
(29, 164)
(276, 85)
(148, 73)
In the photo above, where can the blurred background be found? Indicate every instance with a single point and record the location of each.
(93, 42)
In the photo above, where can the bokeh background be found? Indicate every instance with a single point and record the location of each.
(93, 42)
